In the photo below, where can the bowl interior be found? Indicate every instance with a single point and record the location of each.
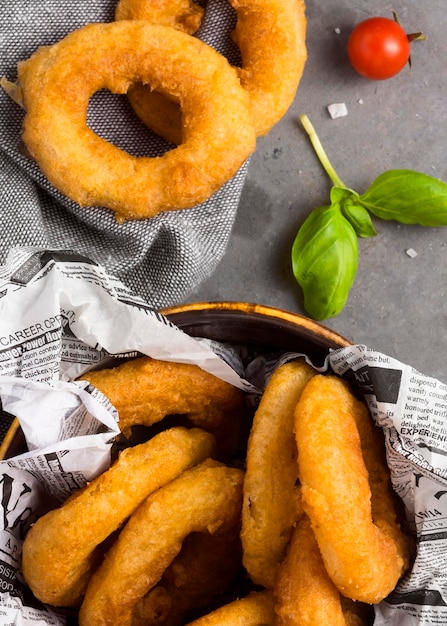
(257, 325)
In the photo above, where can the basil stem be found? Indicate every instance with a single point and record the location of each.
(315, 141)
(324, 261)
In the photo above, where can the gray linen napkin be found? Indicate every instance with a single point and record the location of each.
(162, 258)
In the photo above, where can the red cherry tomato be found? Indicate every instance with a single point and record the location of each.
(378, 48)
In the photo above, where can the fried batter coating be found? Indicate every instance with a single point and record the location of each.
(146, 390)
(184, 15)
(304, 593)
(57, 83)
(268, 512)
(201, 572)
(206, 498)
(160, 113)
(347, 493)
(271, 36)
(62, 548)
(256, 609)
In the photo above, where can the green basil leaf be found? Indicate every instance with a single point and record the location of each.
(343, 194)
(359, 218)
(324, 261)
(355, 213)
(407, 197)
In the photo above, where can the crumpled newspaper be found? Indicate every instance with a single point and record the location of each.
(163, 258)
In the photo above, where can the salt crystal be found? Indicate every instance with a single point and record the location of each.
(411, 253)
(337, 110)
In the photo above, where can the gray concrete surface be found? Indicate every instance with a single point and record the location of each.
(398, 304)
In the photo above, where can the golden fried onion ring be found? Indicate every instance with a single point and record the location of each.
(199, 574)
(59, 551)
(57, 83)
(269, 511)
(271, 38)
(206, 498)
(304, 593)
(347, 493)
(184, 15)
(146, 390)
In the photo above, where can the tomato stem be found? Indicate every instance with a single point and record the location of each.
(416, 37)
(322, 156)
(410, 36)
(395, 17)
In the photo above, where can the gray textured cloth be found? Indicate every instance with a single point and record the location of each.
(163, 258)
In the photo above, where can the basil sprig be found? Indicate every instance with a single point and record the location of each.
(325, 250)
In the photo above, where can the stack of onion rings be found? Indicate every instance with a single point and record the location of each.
(206, 498)
(61, 549)
(323, 549)
(179, 86)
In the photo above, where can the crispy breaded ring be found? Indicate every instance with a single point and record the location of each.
(271, 37)
(60, 549)
(184, 15)
(363, 548)
(256, 609)
(304, 593)
(201, 572)
(57, 83)
(206, 498)
(268, 511)
(146, 390)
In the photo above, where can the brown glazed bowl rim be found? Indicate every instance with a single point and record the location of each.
(237, 323)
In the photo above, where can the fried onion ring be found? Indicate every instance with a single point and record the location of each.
(271, 37)
(201, 572)
(146, 390)
(347, 493)
(269, 511)
(60, 549)
(206, 498)
(57, 83)
(304, 593)
(254, 610)
(183, 15)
